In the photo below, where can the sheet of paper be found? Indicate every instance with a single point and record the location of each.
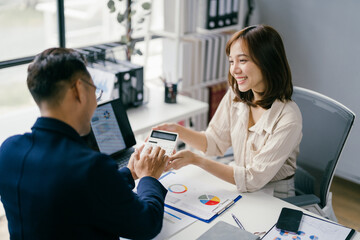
(311, 228)
(201, 196)
(173, 222)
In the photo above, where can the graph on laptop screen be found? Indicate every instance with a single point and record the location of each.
(106, 130)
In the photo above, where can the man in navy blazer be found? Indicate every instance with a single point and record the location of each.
(55, 187)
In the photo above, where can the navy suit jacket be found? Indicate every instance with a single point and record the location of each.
(54, 187)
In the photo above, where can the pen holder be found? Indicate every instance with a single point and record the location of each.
(170, 92)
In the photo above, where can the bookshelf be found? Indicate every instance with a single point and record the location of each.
(191, 53)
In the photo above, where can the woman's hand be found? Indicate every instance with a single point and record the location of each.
(181, 159)
(170, 127)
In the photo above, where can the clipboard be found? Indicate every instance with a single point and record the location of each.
(197, 193)
(314, 228)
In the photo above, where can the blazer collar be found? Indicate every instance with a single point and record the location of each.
(54, 125)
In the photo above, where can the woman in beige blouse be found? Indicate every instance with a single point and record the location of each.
(256, 117)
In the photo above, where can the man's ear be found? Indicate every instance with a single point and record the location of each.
(79, 90)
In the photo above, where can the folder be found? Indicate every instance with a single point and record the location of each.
(313, 228)
(204, 199)
(228, 12)
(208, 14)
(235, 12)
(221, 14)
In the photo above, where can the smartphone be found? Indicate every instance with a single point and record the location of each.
(289, 220)
(165, 140)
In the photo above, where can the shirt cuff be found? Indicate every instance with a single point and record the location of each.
(210, 145)
(126, 173)
(239, 177)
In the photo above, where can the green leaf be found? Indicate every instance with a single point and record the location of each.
(146, 5)
(132, 13)
(137, 51)
(113, 9)
(124, 39)
(120, 17)
(111, 4)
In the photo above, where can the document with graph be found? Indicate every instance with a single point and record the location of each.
(197, 193)
(312, 228)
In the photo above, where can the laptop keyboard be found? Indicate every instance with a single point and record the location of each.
(123, 160)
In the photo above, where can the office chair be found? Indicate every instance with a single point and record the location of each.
(326, 125)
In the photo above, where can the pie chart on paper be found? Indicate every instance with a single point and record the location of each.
(209, 199)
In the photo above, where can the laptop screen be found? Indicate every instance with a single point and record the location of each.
(111, 132)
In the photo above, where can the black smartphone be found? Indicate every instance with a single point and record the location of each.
(289, 220)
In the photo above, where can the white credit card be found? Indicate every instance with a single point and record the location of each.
(165, 140)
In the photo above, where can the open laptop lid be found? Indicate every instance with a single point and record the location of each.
(111, 132)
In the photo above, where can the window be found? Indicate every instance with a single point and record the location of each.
(24, 29)
(30, 26)
(89, 22)
(18, 110)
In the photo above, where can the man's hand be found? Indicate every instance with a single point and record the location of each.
(135, 156)
(152, 163)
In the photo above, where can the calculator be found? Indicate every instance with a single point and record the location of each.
(165, 140)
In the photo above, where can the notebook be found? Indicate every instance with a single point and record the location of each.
(111, 132)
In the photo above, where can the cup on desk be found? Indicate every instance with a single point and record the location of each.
(170, 92)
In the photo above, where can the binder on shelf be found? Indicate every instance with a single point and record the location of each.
(204, 199)
(221, 8)
(228, 12)
(222, 57)
(235, 12)
(207, 17)
(209, 56)
(215, 57)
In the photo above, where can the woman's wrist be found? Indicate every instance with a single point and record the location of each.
(198, 160)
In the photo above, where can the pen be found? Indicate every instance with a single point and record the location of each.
(238, 222)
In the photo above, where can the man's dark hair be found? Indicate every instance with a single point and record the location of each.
(267, 51)
(52, 72)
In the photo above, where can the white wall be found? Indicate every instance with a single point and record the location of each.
(322, 41)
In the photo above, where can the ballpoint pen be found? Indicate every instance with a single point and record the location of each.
(238, 222)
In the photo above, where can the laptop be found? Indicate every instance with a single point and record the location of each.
(111, 132)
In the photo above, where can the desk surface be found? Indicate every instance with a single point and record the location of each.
(156, 111)
(256, 211)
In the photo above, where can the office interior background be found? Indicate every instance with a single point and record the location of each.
(321, 40)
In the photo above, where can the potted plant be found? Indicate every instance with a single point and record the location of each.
(126, 12)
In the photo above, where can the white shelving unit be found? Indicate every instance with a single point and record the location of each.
(197, 89)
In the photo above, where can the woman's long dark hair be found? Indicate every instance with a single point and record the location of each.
(267, 51)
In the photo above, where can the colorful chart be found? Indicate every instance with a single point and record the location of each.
(277, 238)
(283, 233)
(209, 199)
(106, 114)
(313, 237)
(296, 238)
(300, 233)
(177, 188)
